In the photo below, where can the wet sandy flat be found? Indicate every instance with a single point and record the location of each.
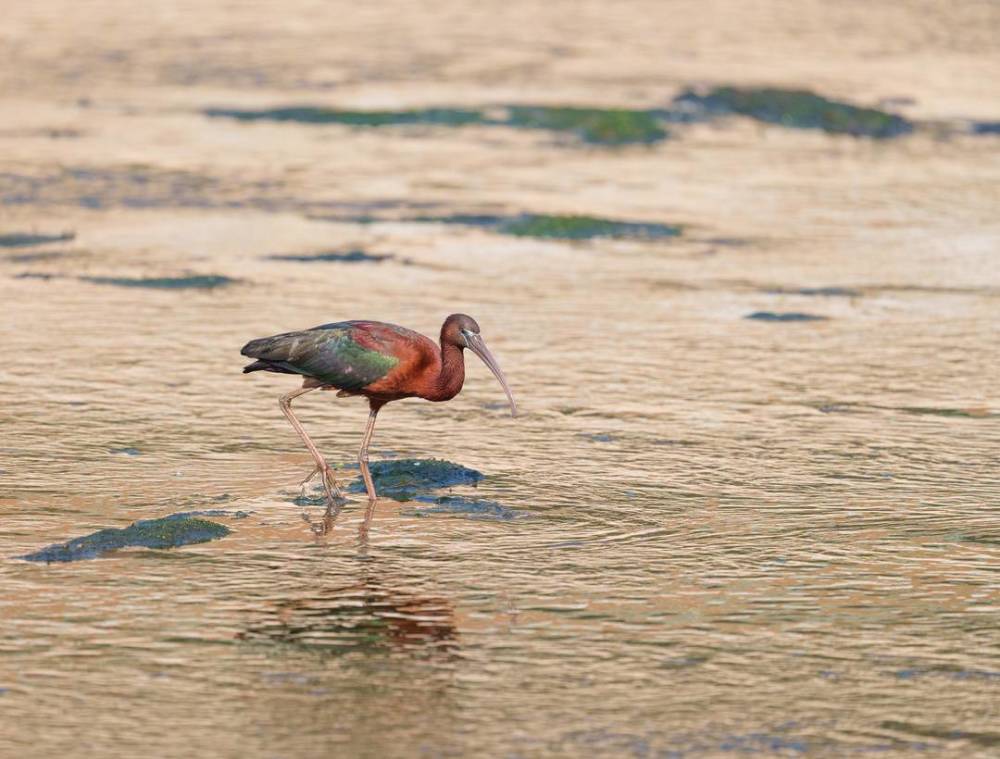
(707, 535)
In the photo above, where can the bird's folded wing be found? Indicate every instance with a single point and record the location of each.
(329, 355)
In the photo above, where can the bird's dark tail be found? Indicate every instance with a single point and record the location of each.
(261, 349)
(256, 366)
(272, 353)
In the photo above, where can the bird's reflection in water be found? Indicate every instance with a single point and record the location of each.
(324, 525)
(366, 616)
(363, 617)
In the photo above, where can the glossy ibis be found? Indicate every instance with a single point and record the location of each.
(382, 362)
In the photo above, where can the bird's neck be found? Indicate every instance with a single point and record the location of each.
(452, 374)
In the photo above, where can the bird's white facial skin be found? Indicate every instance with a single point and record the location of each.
(468, 337)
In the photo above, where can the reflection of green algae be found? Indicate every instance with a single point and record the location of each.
(167, 532)
(456, 505)
(601, 126)
(800, 109)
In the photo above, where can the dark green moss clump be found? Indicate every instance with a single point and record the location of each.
(799, 109)
(600, 126)
(574, 227)
(314, 115)
(192, 282)
(24, 240)
(404, 479)
(787, 316)
(333, 256)
(168, 532)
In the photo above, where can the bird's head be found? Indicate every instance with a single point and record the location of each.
(463, 332)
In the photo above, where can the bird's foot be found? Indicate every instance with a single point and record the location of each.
(306, 481)
(330, 484)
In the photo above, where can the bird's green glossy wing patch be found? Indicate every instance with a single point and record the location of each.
(329, 354)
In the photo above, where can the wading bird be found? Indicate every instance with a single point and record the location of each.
(382, 362)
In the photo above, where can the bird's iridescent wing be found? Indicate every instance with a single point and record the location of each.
(331, 353)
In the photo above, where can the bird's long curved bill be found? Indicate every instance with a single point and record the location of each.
(477, 346)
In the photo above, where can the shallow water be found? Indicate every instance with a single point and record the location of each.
(707, 535)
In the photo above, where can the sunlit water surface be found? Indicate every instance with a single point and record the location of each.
(729, 536)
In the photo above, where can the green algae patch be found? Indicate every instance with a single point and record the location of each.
(333, 256)
(599, 126)
(316, 115)
(26, 240)
(799, 109)
(821, 292)
(784, 316)
(192, 282)
(574, 227)
(560, 226)
(405, 479)
(167, 532)
(961, 413)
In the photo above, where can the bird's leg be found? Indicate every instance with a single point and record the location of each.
(316, 470)
(333, 493)
(363, 453)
